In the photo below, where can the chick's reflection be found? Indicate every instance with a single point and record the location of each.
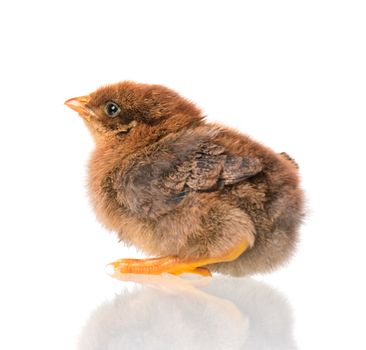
(173, 313)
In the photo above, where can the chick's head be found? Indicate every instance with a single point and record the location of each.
(128, 111)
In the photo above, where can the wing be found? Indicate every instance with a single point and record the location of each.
(210, 171)
(156, 186)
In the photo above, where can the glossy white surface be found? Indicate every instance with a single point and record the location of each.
(174, 313)
(291, 74)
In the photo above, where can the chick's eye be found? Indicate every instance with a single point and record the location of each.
(112, 109)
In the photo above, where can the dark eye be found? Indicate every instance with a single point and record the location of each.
(112, 109)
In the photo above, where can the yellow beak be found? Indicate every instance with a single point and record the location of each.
(78, 104)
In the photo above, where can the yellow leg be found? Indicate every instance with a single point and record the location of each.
(173, 264)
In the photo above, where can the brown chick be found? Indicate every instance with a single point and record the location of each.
(200, 196)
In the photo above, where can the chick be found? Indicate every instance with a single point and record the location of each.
(200, 196)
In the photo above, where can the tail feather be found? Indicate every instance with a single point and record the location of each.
(285, 155)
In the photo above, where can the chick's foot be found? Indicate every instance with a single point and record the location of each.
(156, 266)
(173, 264)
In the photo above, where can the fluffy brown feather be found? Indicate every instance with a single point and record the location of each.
(171, 183)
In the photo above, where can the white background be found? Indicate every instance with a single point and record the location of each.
(289, 73)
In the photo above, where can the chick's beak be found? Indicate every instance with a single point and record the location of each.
(78, 104)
